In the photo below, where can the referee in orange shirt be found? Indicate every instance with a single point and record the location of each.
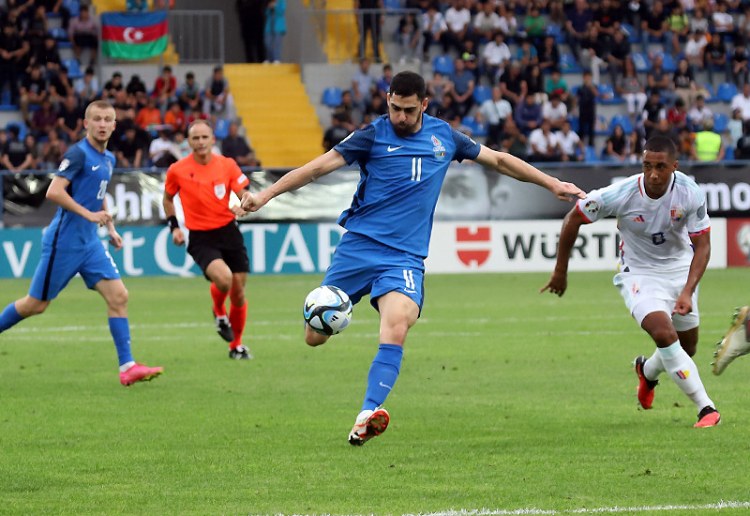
(204, 181)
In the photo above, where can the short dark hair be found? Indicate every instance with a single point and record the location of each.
(406, 84)
(661, 144)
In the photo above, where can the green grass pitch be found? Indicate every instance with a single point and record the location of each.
(508, 399)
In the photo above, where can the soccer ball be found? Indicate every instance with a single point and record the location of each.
(328, 310)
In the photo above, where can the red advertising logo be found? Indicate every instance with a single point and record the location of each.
(738, 242)
(479, 252)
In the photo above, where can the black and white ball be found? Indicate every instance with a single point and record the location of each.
(328, 310)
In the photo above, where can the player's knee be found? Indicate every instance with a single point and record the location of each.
(664, 336)
(30, 306)
(313, 338)
(119, 298)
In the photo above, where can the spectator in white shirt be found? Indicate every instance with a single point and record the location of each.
(694, 49)
(486, 22)
(458, 19)
(495, 111)
(741, 101)
(543, 144)
(433, 28)
(555, 112)
(495, 56)
(699, 113)
(571, 146)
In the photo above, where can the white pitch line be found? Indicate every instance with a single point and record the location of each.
(722, 505)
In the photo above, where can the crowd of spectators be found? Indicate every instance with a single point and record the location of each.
(514, 52)
(152, 119)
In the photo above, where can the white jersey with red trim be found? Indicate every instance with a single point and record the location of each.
(655, 233)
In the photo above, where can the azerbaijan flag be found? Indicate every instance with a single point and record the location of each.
(134, 35)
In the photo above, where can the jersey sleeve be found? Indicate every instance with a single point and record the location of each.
(172, 182)
(238, 180)
(357, 145)
(698, 221)
(466, 148)
(72, 163)
(593, 207)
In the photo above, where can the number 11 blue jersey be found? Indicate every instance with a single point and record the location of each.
(400, 180)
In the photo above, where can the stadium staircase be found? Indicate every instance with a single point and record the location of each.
(281, 122)
(342, 34)
(169, 56)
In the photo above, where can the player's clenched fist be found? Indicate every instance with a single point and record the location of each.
(249, 202)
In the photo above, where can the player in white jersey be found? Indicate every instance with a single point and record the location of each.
(662, 219)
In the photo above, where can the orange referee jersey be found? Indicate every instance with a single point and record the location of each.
(204, 190)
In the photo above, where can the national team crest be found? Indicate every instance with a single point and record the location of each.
(437, 147)
(676, 214)
(220, 191)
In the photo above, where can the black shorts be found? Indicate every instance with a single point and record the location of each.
(225, 243)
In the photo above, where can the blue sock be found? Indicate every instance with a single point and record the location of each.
(9, 317)
(120, 330)
(383, 374)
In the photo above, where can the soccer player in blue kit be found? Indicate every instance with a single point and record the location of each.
(70, 244)
(403, 158)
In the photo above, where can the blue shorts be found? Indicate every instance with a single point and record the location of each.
(363, 266)
(58, 266)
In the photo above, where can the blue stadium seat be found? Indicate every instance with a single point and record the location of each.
(74, 68)
(59, 33)
(221, 130)
(393, 4)
(74, 6)
(641, 61)
(729, 153)
(721, 121)
(669, 65)
(711, 98)
(22, 129)
(601, 126)
(574, 123)
(569, 64)
(621, 120)
(726, 91)
(590, 155)
(554, 29)
(608, 96)
(443, 64)
(482, 93)
(630, 32)
(332, 96)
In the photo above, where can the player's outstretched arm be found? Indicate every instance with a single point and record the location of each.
(297, 178)
(558, 282)
(701, 256)
(516, 168)
(58, 193)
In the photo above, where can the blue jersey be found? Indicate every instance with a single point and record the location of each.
(400, 180)
(88, 171)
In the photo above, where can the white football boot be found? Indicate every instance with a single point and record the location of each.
(735, 343)
(369, 424)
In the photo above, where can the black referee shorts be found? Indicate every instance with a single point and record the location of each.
(224, 243)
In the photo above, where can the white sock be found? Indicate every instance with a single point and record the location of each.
(653, 366)
(127, 365)
(684, 373)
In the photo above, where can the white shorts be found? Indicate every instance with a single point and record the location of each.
(646, 294)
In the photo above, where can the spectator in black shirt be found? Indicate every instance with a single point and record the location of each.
(128, 149)
(136, 90)
(13, 50)
(112, 86)
(337, 132)
(716, 58)
(70, 120)
(235, 146)
(34, 90)
(15, 157)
